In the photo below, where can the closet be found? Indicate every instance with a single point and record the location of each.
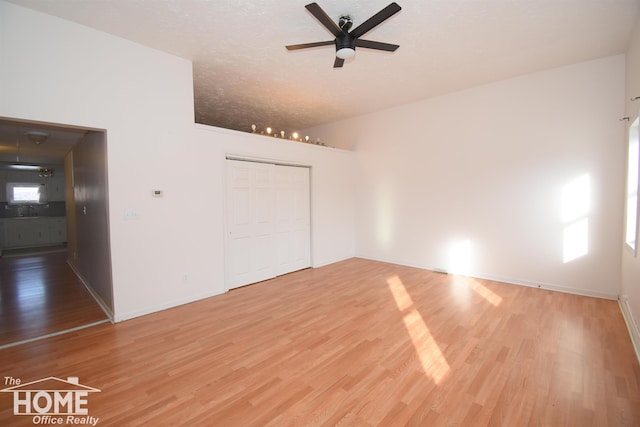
(267, 221)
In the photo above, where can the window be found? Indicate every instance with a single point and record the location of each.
(631, 223)
(26, 193)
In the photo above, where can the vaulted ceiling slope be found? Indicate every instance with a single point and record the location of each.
(243, 74)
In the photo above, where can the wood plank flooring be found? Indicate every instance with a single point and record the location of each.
(40, 295)
(356, 343)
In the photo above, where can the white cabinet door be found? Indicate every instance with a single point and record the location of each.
(55, 189)
(41, 231)
(22, 233)
(58, 230)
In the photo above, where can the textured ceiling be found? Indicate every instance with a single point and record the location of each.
(244, 75)
(16, 147)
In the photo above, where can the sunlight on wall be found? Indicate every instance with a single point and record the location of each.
(576, 240)
(460, 257)
(633, 159)
(431, 358)
(384, 212)
(576, 199)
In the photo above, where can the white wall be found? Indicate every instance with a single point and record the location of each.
(55, 71)
(481, 173)
(630, 299)
(183, 232)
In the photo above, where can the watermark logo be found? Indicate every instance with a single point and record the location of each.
(52, 401)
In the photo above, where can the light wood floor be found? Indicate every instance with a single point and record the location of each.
(40, 295)
(356, 343)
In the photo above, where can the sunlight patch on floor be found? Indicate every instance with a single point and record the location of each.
(486, 293)
(433, 361)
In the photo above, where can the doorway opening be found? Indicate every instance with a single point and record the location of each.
(50, 251)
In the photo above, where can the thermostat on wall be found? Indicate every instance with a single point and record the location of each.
(156, 193)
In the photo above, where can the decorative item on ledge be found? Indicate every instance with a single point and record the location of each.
(294, 136)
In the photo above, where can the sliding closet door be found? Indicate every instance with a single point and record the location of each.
(250, 223)
(268, 226)
(293, 232)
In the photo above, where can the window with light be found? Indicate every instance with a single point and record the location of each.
(633, 160)
(26, 193)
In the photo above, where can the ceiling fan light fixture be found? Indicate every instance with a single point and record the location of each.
(345, 53)
(45, 172)
(346, 39)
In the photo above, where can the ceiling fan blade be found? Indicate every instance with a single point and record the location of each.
(338, 63)
(377, 45)
(376, 19)
(307, 45)
(324, 19)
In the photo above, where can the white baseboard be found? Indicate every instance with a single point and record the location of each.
(550, 287)
(632, 325)
(172, 304)
(93, 293)
(322, 263)
(115, 318)
(509, 280)
(120, 317)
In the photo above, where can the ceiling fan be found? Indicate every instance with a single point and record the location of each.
(346, 41)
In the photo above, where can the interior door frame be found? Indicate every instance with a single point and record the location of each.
(225, 207)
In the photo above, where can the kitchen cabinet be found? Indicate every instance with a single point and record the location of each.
(22, 233)
(32, 232)
(58, 230)
(55, 189)
(3, 186)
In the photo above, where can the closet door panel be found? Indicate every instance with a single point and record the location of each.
(250, 223)
(268, 221)
(293, 219)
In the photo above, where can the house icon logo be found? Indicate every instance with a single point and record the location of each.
(52, 400)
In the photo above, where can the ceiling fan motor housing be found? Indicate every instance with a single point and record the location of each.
(346, 41)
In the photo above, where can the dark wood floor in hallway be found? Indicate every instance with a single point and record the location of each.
(40, 295)
(356, 343)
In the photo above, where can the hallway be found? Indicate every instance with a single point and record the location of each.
(40, 295)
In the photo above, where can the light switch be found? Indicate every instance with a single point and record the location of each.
(130, 214)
